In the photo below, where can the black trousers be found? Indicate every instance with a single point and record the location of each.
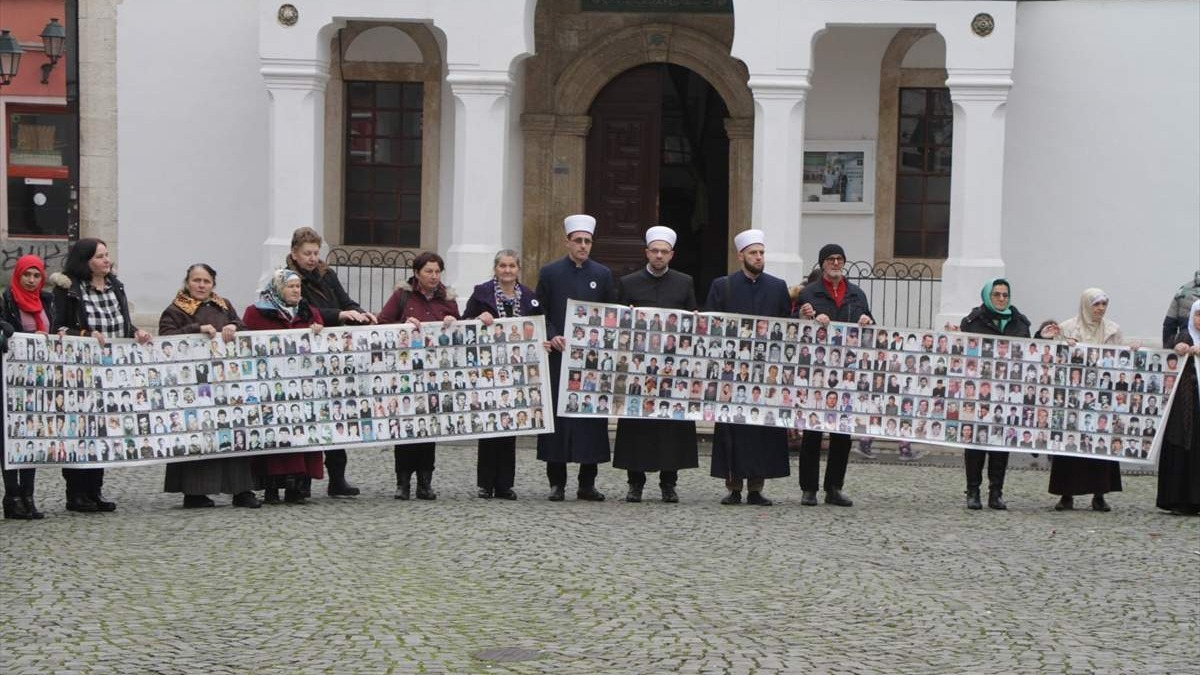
(497, 465)
(19, 482)
(997, 464)
(335, 461)
(665, 478)
(415, 457)
(84, 481)
(810, 461)
(557, 473)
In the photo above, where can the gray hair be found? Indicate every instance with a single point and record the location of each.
(506, 253)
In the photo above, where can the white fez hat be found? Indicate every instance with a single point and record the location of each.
(661, 233)
(579, 223)
(748, 237)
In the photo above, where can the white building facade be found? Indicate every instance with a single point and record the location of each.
(982, 139)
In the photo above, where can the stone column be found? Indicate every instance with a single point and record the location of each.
(555, 156)
(976, 189)
(740, 131)
(296, 152)
(482, 101)
(779, 102)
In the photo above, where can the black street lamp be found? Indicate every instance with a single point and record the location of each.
(54, 38)
(10, 57)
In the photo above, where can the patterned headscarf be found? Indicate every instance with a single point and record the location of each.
(271, 296)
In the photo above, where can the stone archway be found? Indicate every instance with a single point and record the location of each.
(555, 141)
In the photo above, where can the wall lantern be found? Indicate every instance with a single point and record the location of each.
(54, 38)
(10, 57)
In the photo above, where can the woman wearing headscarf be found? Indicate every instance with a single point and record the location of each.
(89, 300)
(1179, 463)
(197, 309)
(1070, 476)
(423, 298)
(281, 306)
(500, 297)
(995, 316)
(28, 308)
(323, 292)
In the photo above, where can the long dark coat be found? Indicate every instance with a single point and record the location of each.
(574, 439)
(1179, 461)
(226, 475)
(739, 450)
(656, 445)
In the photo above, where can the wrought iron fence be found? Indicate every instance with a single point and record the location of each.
(370, 275)
(900, 294)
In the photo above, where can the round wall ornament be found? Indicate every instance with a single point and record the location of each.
(983, 24)
(288, 15)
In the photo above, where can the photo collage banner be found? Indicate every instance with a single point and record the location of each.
(936, 387)
(70, 402)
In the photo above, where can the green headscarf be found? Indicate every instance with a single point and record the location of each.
(1000, 318)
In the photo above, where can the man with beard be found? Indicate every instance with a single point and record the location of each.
(742, 452)
(831, 298)
(651, 445)
(572, 277)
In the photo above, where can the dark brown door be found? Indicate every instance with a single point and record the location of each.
(623, 160)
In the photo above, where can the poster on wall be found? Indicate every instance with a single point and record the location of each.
(839, 177)
(71, 402)
(938, 387)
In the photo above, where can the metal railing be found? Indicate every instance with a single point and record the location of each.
(900, 294)
(370, 275)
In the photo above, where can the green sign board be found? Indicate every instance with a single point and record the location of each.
(647, 6)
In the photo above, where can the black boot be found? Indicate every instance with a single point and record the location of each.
(1098, 503)
(634, 495)
(15, 509)
(425, 486)
(1065, 503)
(102, 504)
(669, 495)
(994, 500)
(79, 502)
(973, 501)
(404, 485)
(34, 514)
(338, 487)
(271, 496)
(557, 493)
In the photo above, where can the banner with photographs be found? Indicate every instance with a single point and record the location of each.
(937, 387)
(71, 402)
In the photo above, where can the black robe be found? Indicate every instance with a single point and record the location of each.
(1179, 459)
(740, 450)
(581, 440)
(656, 445)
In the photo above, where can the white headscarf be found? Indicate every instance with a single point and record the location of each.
(1086, 329)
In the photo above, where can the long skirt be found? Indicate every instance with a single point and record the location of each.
(227, 475)
(1070, 476)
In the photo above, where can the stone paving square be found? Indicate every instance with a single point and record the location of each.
(906, 581)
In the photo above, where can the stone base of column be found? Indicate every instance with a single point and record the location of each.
(962, 278)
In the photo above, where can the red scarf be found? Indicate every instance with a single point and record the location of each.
(30, 302)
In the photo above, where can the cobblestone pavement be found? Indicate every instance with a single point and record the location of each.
(906, 581)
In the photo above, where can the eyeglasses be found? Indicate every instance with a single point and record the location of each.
(998, 294)
(835, 259)
(582, 241)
